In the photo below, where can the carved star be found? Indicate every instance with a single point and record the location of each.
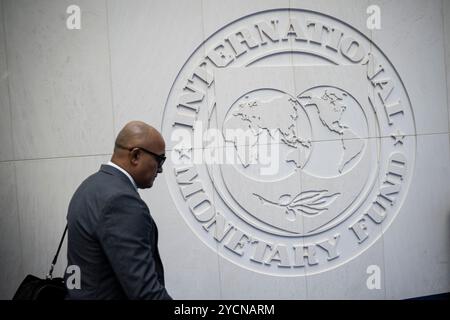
(184, 153)
(398, 136)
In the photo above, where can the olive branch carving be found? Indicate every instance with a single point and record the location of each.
(307, 202)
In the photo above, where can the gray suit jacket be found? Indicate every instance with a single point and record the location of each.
(113, 239)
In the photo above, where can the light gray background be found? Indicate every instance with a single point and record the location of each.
(64, 95)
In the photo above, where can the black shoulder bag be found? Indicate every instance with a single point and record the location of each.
(34, 288)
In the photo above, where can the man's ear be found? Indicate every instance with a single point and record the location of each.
(134, 156)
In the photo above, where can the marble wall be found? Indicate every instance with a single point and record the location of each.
(64, 95)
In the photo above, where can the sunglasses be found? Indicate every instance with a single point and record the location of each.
(159, 157)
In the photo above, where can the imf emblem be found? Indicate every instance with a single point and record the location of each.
(292, 140)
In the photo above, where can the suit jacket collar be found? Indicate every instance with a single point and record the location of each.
(115, 172)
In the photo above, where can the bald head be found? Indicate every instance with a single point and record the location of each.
(140, 134)
(131, 152)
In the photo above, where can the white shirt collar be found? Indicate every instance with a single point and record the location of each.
(124, 172)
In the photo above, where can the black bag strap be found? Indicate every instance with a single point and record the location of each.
(50, 273)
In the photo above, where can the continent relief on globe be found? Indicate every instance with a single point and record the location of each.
(259, 116)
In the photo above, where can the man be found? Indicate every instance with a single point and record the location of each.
(111, 236)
